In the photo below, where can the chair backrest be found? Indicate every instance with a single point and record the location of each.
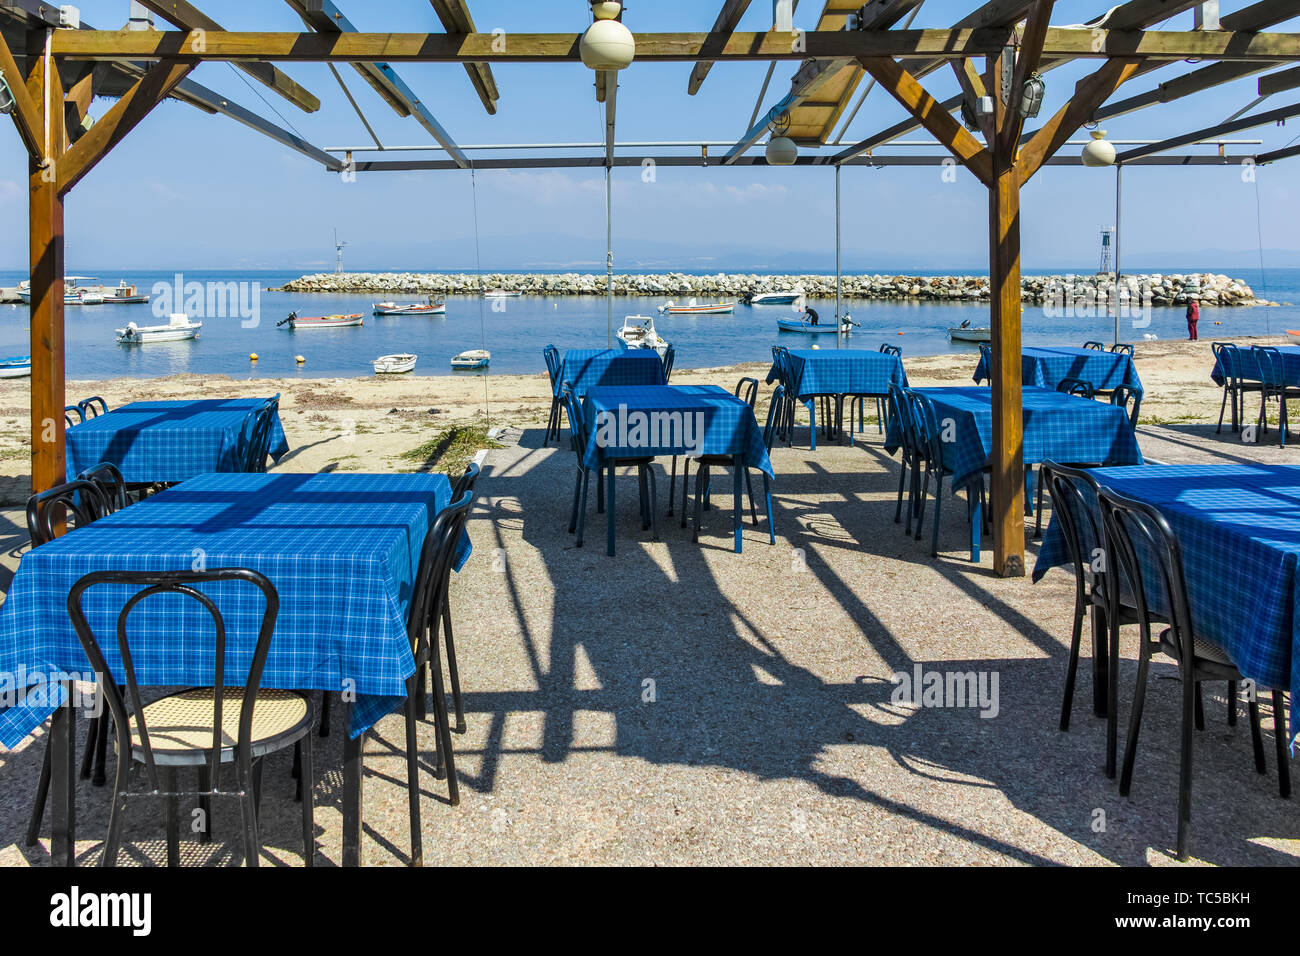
(1123, 396)
(773, 412)
(68, 412)
(1124, 347)
(986, 352)
(925, 425)
(670, 355)
(1100, 347)
(747, 391)
(259, 443)
(1076, 386)
(75, 499)
(899, 410)
(1073, 510)
(1272, 371)
(887, 349)
(450, 523)
(112, 486)
(93, 406)
(552, 355)
(153, 584)
(1225, 363)
(466, 481)
(577, 426)
(1146, 550)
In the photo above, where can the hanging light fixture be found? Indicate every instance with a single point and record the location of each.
(1099, 152)
(6, 95)
(781, 149)
(1031, 96)
(607, 44)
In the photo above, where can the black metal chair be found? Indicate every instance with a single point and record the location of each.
(202, 727)
(900, 408)
(1099, 346)
(259, 442)
(670, 356)
(1129, 398)
(552, 355)
(1273, 386)
(928, 446)
(68, 412)
(1236, 382)
(986, 352)
(1076, 386)
(464, 485)
(112, 486)
(1124, 347)
(785, 416)
(92, 407)
(747, 391)
(1150, 555)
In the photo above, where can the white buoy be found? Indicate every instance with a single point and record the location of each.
(299, 359)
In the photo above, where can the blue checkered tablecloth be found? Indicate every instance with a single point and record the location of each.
(589, 368)
(1239, 528)
(170, 441)
(1045, 367)
(842, 372)
(1056, 426)
(341, 550)
(678, 420)
(1250, 371)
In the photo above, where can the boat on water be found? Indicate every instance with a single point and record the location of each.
(788, 297)
(178, 329)
(412, 308)
(394, 364)
(803, 325)
(638, 332)
(1295, 332)
(73, 294)
(123, 294)
(474, 358)
(500, 294)
(692, 308)
(16, 366)
(967, 333)
(295, 322)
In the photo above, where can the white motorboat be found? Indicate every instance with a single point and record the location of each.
(123, 294)
(789, 297)
(16, 366)
(500, 294)
(178, 329)
(638, 332)
(474, 358)
(411, 308)
(692, 308)
(394, 364)
(966, 333)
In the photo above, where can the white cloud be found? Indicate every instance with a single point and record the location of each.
(9, 191)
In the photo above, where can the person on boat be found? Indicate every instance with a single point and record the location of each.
(1193, 316)
(809, 311)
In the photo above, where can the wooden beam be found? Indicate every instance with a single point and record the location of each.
(1089, 94)
(904, 87)
(455, 18)
(1027, 60)
(185, 15)
(1280, 81)
(1282, 114)
(666, 47)
(26, 114)
(972, 90)
(150, 90)
(728, 18)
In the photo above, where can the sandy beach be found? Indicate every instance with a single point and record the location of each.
(379, 423)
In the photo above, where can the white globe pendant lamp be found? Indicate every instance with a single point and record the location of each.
(781, 151)
(1099, 152)
(607, 44)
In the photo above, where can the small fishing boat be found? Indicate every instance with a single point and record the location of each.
(394, 364)
(638, 332)
(474, 358)
(178, 329)
(789, 297)
(411, 308)
(691, 308)
(124, 294)
(1295, 332)
(803, 325)
(321, 321)
(16, 366)
(500, 294)
(966, 333)
(73, 294)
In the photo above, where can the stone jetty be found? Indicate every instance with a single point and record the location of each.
(1157, 289)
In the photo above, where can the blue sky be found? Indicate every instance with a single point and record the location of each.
(188, 190)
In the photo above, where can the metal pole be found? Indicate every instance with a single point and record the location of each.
(838, 331)
(1118, 195)
(609, 258)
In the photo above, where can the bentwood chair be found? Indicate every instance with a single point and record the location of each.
(68, 412)
(464, 485)
(112, 486)
(202, 727)
(929, 451)
(1098, 346)
(1226, 367)
(1128, 398)
(747, 391)
(1150, 555)
(986, 353)
(552, 355)
(885, 349)
(1124, 347)
(1076, 386)
(259, 443)
(785, 417)
(1273, 386)
(900, 413)
(670, 356)
(92, 407)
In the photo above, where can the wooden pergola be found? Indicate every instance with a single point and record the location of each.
(993, 53)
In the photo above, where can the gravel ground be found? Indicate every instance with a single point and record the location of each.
(683, 704)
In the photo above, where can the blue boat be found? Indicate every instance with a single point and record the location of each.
(16, 366)
(803, 325)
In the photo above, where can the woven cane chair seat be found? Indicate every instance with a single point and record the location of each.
(180, 725)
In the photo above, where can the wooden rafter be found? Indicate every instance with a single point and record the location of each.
(150, 90)
(27, 115)
(1280, 81)
(728, 18)
(1028, 57)
(455, 18)
(972, 89)
(186, 16)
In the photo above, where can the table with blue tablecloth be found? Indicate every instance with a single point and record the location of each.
(1045, 367)
(341, 550)
(837, 373)
(1239, 529)
(1248, 369)
(170, 441)
(586, 369)
(1057, 426)
(677, 420)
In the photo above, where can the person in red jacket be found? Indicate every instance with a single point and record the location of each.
(1193, 316)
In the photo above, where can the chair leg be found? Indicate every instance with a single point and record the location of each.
(920, 511)
(582, 505)
(325, 713)
(1191, 696)
(413, 771)
(38, 801)
(771, 524)
(753, 508)
(701, 480)
(1200, 708)
(92, 734)
(672, 486)
(205, 802)
(938, 503)
(446, 757)
(600, 491)
(1222, 407)
(1038, 511)
(1232, 703)
(452, 670)
(1280, 740)
(902, 480)
(247, 804)
(653, 504)
(1072, 668)
(1256, 735)
(307, 783)
(686, 474)
(99, 778)
(1134, 719)
(173, 823)
(577, 493)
